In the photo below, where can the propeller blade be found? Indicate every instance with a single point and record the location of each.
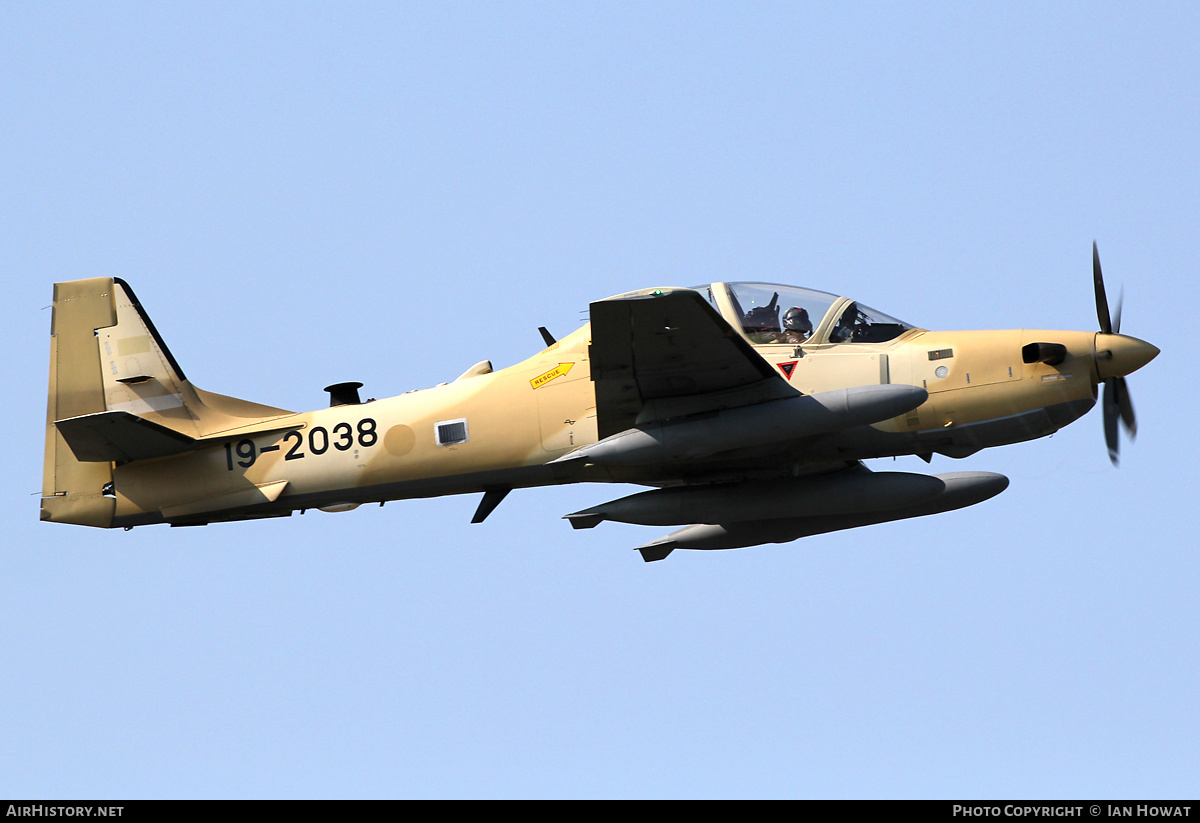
(1125, 406)
(1102, 313)
(1116, 403)
(1111, 415)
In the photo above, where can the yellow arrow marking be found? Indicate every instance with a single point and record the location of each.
(546, 377)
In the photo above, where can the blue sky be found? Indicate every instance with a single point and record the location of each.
(306, 193)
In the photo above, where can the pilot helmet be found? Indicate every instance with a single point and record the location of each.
(796, 319)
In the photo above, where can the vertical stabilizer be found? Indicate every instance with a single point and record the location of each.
(140, 375)
(117, 395)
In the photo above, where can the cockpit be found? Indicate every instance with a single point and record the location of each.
(772, 313)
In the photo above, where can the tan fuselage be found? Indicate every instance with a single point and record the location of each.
(516, 420)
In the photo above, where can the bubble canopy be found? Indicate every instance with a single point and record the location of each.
(776, 313)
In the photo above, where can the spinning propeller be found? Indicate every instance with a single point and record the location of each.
(1116, 356)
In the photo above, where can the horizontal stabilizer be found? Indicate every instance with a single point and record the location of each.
(119, 437)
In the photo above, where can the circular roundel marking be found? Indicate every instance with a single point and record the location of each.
(399, 440)
(941, 371)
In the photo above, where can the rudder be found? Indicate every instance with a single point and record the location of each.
(74, 491)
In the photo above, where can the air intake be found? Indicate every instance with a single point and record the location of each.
(1049, 353)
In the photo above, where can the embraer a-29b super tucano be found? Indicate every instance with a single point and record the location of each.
(747, 407)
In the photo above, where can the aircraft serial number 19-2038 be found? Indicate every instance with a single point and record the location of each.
(746, 409)
(244, 452)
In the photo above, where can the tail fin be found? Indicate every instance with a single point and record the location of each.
(117, 394)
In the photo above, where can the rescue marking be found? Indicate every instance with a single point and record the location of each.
(787, 368)
(555, 373)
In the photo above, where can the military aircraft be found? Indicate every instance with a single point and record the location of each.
(747, 408)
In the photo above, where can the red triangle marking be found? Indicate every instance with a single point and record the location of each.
(787, 368)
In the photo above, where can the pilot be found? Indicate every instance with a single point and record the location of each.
(796, 326)
(848, 325)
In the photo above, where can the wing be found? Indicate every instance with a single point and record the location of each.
(667, 353)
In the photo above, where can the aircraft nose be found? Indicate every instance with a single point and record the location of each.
(1119, 354)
